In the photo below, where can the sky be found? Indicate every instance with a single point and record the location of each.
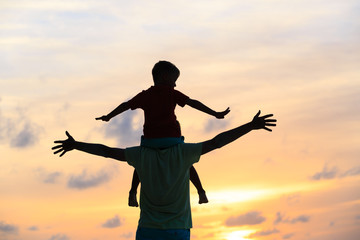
(64, 63)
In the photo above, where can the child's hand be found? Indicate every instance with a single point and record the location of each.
(65, 145)
(104, 118)
(221, 115)
(263, 122)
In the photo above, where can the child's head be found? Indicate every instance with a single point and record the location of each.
(165, 73)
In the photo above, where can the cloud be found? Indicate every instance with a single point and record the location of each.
(8, 228)
(33, 228)
(127, 235)
(112, 222)
(288, 236)
(351, 172)
(84, 180)
(48, 177)
(263, 233)
(52, 177)
(126, 128)
(301, 218)
(6, 126)
(280, 219)
(325, 174)
(27, 136)
(59, 237)
(250, 218)
(19, 131)
(215, 125)
(335, 173)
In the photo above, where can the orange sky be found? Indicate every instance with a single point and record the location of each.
(63, 63)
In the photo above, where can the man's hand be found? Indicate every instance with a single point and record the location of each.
(263, 122)
(104, 118)
(65, 145)
(221, 115)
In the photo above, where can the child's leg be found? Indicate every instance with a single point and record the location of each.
(132, 194)
(194, 178)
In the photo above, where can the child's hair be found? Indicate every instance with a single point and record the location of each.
(164, 67)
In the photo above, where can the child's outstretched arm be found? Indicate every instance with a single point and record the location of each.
(121, 108)
(201, 107)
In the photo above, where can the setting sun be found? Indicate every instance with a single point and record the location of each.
(236, 195)
(239, 235)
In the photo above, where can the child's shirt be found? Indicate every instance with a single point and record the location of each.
(158, 103)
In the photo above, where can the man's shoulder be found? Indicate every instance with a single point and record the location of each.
(191, 145)
(182, 146)
(132, 150)
(191, 152)
(188, 152)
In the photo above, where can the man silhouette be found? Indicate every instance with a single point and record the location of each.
(164, 173)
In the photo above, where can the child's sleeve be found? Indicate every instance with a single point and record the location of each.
(180, 98)
(137, 101)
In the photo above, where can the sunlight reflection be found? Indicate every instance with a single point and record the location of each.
(242, 195)
(239, 235)
(231, 196)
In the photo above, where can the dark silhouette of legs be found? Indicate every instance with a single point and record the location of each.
(194, 178)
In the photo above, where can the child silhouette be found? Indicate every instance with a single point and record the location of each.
(161, 128)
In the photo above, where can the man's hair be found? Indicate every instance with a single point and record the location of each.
(164, 67)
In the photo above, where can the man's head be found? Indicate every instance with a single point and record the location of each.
(166, 73)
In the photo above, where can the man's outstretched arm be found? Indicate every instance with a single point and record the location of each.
(91, 148)
(227, 137)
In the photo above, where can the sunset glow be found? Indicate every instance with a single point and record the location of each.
(239, 235)
(64, 63)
